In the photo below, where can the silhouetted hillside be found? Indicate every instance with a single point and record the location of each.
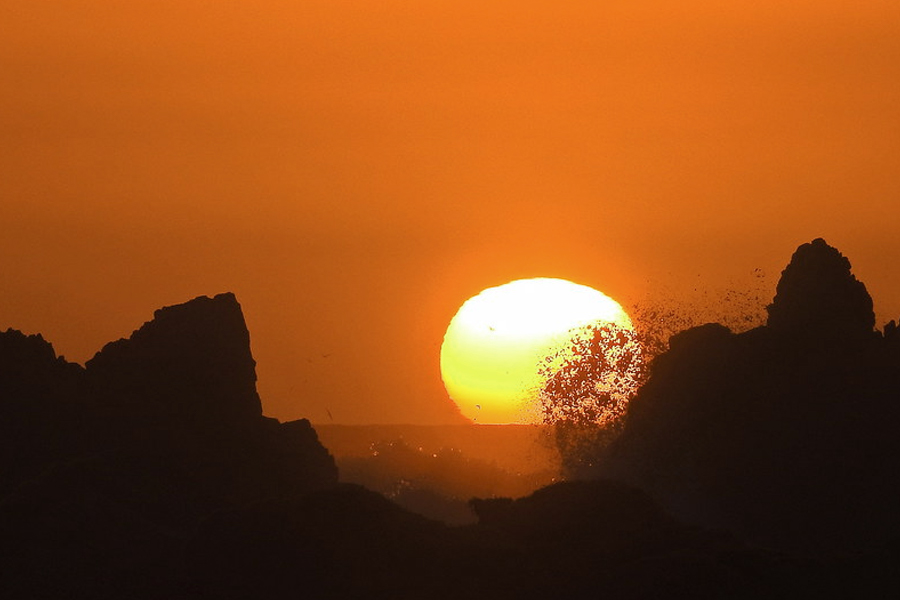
(434, 470)
(513, 448)
(574, 540)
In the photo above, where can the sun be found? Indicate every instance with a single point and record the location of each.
(497, 340)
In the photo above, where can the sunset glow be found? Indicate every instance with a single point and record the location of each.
(495, 343)
(301, 298)
(346, 168)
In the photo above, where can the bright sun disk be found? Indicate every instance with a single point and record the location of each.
(494, 345)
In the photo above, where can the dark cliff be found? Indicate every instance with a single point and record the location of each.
(107, 470)
(41, 406)
(192, 362)
(785, 434)
(818, 298)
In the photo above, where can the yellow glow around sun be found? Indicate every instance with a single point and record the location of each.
(494, 344)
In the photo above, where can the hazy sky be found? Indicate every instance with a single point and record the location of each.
(354, 171)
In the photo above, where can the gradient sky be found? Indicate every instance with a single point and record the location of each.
(354, 171)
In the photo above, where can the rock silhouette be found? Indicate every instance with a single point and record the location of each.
(41, 397)
(191, 364)
(785, 434)
(818, 298)
(760, 464)
(108, 468)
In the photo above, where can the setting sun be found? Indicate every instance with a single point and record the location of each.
(494, 345)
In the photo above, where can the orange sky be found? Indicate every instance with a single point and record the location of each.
(354, 171)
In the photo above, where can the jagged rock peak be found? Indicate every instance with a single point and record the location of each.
(819, 298)
(193, 359)
(30, 358)
(16, 345)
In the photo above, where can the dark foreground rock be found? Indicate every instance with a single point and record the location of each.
(42, 407)
(576, 540)
(106, 470)
(785, 435)
(191, 365)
